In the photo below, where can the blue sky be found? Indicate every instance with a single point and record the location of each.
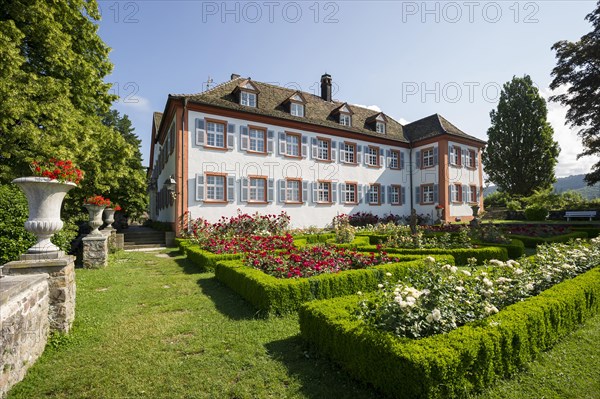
(410, 59)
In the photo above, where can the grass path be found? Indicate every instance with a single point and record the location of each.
(151, 326)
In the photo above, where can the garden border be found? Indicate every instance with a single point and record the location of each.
(460, 255)
(453, 364)
(275, 296)
(206, 260)
(532, 242)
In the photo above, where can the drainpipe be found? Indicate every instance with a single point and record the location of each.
(412, 189)
(183, 117)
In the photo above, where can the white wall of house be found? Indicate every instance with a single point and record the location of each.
(167, 213)
(239, 164)
(425, 175)
(463, 179)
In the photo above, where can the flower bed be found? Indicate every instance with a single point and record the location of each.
(205, 260)
(432, 302)
(275, 296)
(460, 255)
(243, 244)
(309, 262)
(453, 364)
(537, 230)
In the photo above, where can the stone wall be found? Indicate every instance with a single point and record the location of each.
(61, 283)
(24, 325)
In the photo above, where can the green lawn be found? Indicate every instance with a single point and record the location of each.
(151, 326)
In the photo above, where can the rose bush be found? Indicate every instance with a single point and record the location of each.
(442, 297)
(312, 261)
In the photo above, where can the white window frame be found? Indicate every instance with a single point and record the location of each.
(428, 158)
(297, 109)
(351, 193)
(454, 156)
(215, 134)
(394, 159)
(248, 99)
(396, 195)
(257, 192)
(214, 188)
(374, 194)
(290, 191)
(324, 192)
(323, 149)
(380, 127)
(372, 156)
(345, 119)
(473, 194)
(427, 194)
(470, 158)
(296, 147)
(254, 141)
(349, 153)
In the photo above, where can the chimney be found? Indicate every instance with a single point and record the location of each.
(234, 76)
(326, 87)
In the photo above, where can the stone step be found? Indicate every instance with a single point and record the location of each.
(131, 247)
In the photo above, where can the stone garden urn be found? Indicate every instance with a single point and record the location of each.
(44, 197)
(109, 218)
(95, 212)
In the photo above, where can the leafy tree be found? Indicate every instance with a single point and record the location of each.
(521, 154)
(131, 190)
(54, 98)
(578, 67)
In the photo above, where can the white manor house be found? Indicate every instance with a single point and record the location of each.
(252, 146)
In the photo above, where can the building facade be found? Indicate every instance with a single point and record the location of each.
(251, 146)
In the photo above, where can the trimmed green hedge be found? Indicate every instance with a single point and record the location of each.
(274, 296)
(374, 238)
(206, 260)
(460, 255)
(592, 232)
(515, 249)
(461, 361)
(532, 242)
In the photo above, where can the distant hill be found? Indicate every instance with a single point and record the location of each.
(569, 183)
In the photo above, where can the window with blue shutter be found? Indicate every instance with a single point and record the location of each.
(200, 132)
(270, 141)
(230, 188)
(244, 139)
(282, 143)
(418, 159)
(304, 191)
(244, 189)
(403, 195)
(304, 146)
(281, 189)
(417, 195)
(270, 190)
(230, 135)
(199, 187)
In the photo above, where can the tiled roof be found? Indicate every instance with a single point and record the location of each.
(434, 125)
(271, 102)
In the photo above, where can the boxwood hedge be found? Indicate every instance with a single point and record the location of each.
(205, 260)
(532, 242)
(461, 361)
(274, 296)
(515, 249)
(460, 255)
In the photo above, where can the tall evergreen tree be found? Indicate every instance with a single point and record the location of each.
(578, 67)
(521, 154)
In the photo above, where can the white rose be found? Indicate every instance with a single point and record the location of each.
(436, 314)
(429, 318)
(453, 269)
(466, 272)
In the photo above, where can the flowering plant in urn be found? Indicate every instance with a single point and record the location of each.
(57, 169)
(95, 205)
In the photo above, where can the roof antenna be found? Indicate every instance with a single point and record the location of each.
(209, 82)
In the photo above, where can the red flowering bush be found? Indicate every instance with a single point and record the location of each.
(57, 169)
(312, 261)
(117, 208)
(97, 200)
(234, 245)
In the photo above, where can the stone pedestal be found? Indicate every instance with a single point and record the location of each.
(95, 252)
(120, 241)
(61, 286)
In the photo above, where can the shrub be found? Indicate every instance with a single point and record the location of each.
(461, 255)
(515, 248)
(513, 205)
(205, 260)
(536, 212)
(312, 261)
(489, 233)
(454, 364)
(273, 296)
(532, 242)
(344, 232)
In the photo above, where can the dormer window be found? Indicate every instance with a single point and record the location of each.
(344, 115)
(248, 93)
(296, 104)
(380, 127)
(345, 120)
(248, 99)
(296, 109)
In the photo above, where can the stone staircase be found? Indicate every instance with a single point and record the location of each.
(140, 237)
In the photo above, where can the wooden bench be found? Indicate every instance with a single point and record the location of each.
(579, 214)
